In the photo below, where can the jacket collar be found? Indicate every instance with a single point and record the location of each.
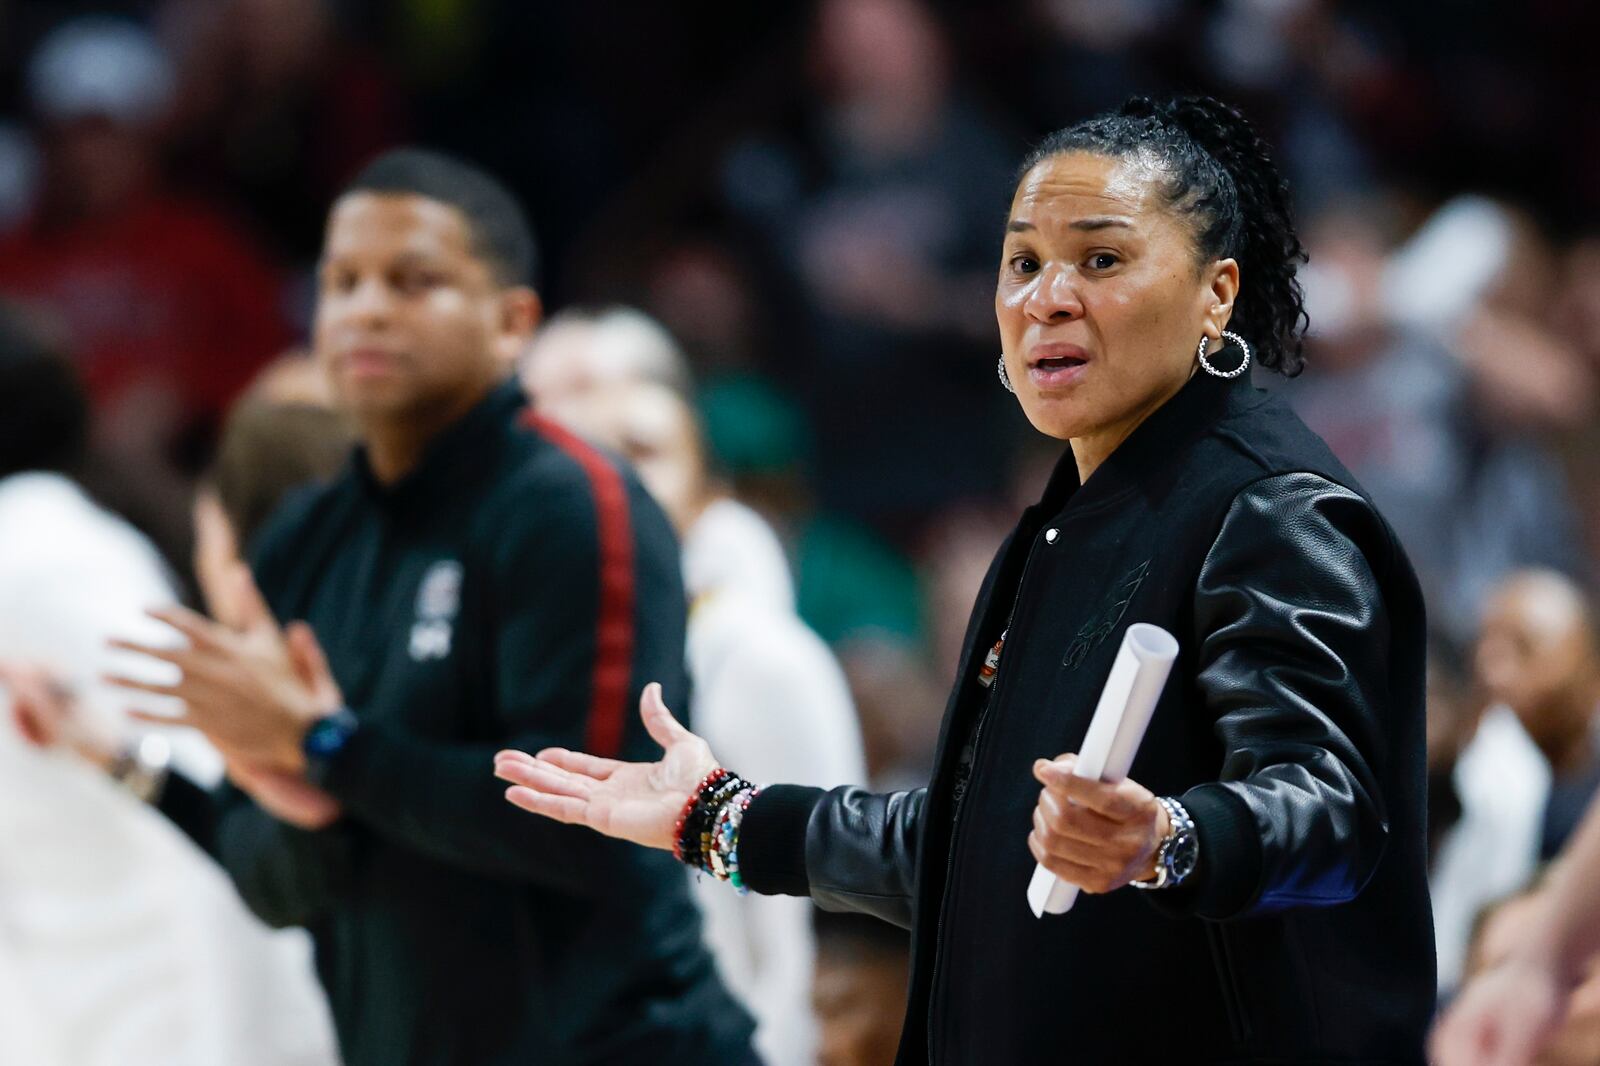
(1150, 450)
(449, 460)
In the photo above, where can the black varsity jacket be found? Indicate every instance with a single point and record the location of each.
(516, 589)
(1291, 729)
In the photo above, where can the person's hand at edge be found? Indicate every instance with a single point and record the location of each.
(639, 802)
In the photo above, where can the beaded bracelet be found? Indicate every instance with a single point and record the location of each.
(720, 837)
(728, 837)
(681, 834)
(703, 822)
(706, 836)
(693, 830)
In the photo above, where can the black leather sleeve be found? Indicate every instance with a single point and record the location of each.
(848, 849)
(1293, 640)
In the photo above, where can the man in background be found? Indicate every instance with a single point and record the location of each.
(1538, 653)
(120, 944)
(474, 579)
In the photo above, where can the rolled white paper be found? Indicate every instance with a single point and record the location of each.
(1120, 719)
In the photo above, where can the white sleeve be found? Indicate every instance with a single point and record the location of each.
(779, 710)
(74, 610)
(784, 712)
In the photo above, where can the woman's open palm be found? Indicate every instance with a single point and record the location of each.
(628, 800)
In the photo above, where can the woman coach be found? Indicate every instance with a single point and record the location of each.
(1274, 815)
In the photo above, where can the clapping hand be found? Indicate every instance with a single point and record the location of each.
(286, 797)
(628, 800)
(253, 688)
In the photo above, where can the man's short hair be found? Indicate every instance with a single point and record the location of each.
(44, 410)
(499, 229)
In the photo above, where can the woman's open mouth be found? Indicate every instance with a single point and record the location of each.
(1057, 366)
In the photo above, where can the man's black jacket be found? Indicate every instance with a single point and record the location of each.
(516, 590)
(1291, 728)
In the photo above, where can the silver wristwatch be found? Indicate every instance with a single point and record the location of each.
(143, 766)
(1179, 851)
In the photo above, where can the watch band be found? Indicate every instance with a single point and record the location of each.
(1180, 834)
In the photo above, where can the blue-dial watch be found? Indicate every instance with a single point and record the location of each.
(1179, 851)
(324, 741)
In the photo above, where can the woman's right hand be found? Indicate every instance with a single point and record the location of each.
(631, 801)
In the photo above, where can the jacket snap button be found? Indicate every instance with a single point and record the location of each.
(1050, 535)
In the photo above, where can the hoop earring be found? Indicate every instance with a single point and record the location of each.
(1005, 379)
(1236, 371)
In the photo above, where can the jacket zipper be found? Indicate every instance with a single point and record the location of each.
(955, 829)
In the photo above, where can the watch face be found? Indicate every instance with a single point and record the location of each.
(1185, 853)
(323, 738)
(327, 735)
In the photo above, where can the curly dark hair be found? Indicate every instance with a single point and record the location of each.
(1221, 174)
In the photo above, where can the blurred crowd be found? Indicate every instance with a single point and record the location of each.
(809, 202)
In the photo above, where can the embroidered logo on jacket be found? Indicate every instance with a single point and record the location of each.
(438, 602)
(1104, 623)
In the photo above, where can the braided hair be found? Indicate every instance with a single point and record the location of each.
(1220, 174)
